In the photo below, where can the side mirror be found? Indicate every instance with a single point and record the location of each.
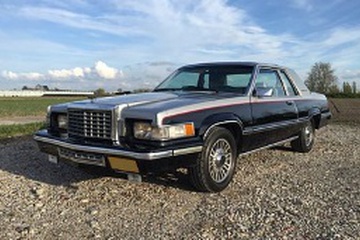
(264, 92)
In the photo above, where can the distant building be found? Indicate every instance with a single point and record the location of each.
(42, 87)
(37, 88)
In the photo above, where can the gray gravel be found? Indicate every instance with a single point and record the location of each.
(276, 194)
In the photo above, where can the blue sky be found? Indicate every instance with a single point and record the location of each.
(87, 44)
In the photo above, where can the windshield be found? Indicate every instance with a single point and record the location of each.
(219, 79)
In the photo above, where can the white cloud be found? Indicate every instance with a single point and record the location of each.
(105, 71)
(65, 73)
(15, 76)
(9, 75)
(172, 30)
(144, 75)
(341, 36)
(100, 71)
(76, 20)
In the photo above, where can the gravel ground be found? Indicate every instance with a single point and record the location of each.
(276, 194)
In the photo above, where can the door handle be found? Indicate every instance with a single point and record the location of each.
(289, 102)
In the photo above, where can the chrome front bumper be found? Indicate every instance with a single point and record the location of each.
(41, 137)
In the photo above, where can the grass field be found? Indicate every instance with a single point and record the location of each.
(19, 129)
(27, 106)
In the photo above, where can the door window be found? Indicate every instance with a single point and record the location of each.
(269, 79)
(289, 87)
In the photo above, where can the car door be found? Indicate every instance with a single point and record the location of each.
(274, 112)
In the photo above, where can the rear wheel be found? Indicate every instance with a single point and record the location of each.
(215, 166)
(306, 138)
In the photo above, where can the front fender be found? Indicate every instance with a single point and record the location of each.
(313, 112)
(315, 115)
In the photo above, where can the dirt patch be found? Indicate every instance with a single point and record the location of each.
(345, 109)
(21, 120)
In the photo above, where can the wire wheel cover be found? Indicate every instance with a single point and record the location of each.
(220, 160)
(309, 135)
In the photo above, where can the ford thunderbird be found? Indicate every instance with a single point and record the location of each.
(203, 117)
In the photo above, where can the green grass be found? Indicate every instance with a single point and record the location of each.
(23, 107)
(20, 129)
(28, 106)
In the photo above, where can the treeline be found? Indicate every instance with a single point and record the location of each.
(348, 91)
(322, 79)
(101, 92)
(343, 95)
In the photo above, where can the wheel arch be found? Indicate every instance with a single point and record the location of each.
(229, 121)
(315, 116)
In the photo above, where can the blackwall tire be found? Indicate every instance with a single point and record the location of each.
(306, 139)
(215, 165)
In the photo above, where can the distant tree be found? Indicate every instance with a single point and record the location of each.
(25, 88)
(354, 87)
(100, 92)
(334, 89)
(321, 78)
(347, 88)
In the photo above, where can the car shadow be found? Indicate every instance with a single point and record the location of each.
(173, 179)
(283, 148)
(21, 156)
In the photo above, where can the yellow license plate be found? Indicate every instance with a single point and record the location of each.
(123, 164)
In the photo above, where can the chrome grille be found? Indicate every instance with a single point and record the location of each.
(90, 123)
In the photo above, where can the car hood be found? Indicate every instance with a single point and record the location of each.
(128, 100)
(179, 103)
(149, 100)
(153, 105)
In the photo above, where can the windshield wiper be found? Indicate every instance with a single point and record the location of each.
(166, 89)
(187, 89)
(197, 89)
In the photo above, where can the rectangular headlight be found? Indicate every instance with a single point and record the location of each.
(144, 130)
(48, 113)
(62, 121)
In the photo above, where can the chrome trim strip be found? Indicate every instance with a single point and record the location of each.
(118, 152)
(247, 131)
(189, 150)
(268, 146)
(220, 123)
(272, 126)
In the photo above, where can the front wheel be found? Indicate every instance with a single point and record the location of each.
(215, 166)
(306, 138)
